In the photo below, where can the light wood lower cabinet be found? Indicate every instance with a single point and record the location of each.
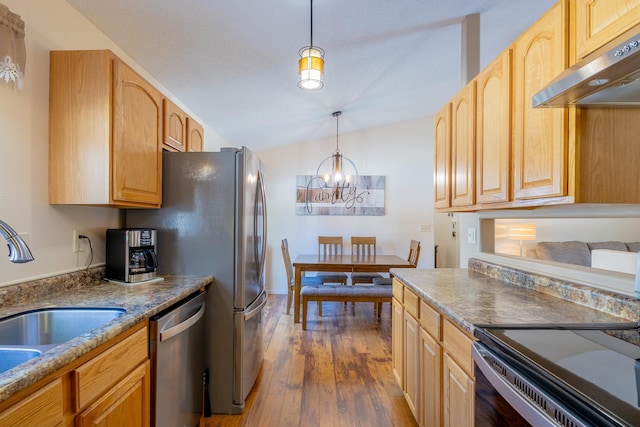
(458, 394)
(108, 386)
(432, 363)
(43, 408)
(397, 345)
(127, 403)
(430, 380)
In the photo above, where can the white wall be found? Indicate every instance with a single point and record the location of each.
(403, 153)
(24, 121)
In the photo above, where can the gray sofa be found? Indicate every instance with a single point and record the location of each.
(577, 252)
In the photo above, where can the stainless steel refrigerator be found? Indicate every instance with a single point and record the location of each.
(213, 221)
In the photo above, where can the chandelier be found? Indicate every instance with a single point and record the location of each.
(339, 173)
(311, 64)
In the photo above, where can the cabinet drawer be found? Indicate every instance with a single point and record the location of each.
(397, 290)
(458, 345)
(411, 303)
(99, 374)
(43, 408)
(430, 320)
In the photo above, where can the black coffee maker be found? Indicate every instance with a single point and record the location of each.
(131, 254)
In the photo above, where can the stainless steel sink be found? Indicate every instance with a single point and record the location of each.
(53, 325)
(12, 357)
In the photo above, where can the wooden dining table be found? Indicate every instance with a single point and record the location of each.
(342, 263)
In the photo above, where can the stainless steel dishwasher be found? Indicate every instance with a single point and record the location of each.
(177, 361)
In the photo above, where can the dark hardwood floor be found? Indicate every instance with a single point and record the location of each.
(337, 373)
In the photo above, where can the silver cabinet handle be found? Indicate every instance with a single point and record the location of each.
(183, 326)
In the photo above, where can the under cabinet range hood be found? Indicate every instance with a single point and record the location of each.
(608, 77)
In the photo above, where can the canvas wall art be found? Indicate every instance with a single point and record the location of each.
(364, 197)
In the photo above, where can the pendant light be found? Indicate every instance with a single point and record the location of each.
(311, 64)
(339, 172)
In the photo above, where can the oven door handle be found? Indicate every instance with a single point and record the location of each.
(529, 411)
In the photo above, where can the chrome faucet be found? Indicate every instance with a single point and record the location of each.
(18, 250)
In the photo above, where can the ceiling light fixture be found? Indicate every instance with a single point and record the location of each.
(339, 172)
(311, 64)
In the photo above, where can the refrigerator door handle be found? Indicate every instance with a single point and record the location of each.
(261, 200)
(181, 327)
(261, 302)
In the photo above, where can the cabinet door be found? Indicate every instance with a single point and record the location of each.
(442, 166)
(458, 395)
(430, 380)
(137, 139)
(600, 21)
(540, 141)
(493, 139)
(195, 135)
(411, 363)
(397, 342)
(463, 108)
(126, 404)
(43, 408)
(175, 127)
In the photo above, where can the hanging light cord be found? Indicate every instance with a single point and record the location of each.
(311, 26)
(337, 116)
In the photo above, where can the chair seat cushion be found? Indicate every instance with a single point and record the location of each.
(364, 276)
(332, 277)
(329, 291)
(311, 280)
(387, 281)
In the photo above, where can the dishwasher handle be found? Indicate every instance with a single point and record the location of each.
(183, 326)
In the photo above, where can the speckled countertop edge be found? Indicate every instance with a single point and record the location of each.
(85, 289)
(491, 294)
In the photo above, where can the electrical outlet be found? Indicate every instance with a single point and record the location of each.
(78, 245)
(425, 228)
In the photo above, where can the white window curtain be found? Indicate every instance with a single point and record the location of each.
(13, 54)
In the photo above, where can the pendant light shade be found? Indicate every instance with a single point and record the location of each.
(311, 64)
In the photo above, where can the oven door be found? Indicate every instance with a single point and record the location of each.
(505, 396)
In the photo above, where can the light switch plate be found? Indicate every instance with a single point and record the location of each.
(471, 235)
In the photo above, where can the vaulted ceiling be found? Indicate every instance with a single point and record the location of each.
(234, 62)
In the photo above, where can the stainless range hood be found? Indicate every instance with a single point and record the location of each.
(608, 77)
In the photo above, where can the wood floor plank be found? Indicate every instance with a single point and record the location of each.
(337, 373)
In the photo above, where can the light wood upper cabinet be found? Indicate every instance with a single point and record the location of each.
(493, 138)
(463, 116)
(175, 127)
(442, 164)
(105, 132)
(195, 135)
(597, 22)
(540, 135)
(181, 132)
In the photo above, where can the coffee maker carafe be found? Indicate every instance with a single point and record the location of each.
(131, 254)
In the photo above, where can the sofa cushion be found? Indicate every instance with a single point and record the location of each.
(573, 252)
(633, 247)
(614, 246)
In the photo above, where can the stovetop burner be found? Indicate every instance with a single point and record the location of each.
(596, 367)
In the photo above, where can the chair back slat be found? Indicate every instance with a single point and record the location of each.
(363, 246)
(287, 261)
(329, 245)
(414, 253)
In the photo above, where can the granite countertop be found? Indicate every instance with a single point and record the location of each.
(140, 301)
(470, 298)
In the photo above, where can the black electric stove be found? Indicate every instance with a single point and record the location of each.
(593, 373)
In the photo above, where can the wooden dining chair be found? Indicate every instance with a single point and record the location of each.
(414, 254)
(306, 280)
(329, 246)
(363, 247)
